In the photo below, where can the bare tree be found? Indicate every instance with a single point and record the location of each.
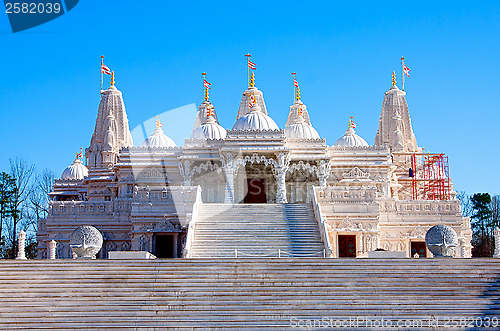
(38, 206)
(465, 204)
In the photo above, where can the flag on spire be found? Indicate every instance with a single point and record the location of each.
(206, 84)
(158, 124)
(105, 69)
(295, 83)
(406, 70)
(252, 65)
(351, 123)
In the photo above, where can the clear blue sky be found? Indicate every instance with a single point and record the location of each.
(343, 51)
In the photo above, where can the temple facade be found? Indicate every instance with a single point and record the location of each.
(147, 197)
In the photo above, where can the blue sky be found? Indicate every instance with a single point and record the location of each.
(343, 51)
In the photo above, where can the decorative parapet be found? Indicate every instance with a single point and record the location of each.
(421, 207)
(205, 143)
(334, 194)
(256, 134)
(381, 149)
(355, 174)
(62, 208)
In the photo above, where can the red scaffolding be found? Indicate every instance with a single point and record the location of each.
(430, 176)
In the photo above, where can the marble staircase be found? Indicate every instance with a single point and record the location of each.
(256, 230)
(246, 293)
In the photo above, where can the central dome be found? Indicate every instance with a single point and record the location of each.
(255, 120)
(158, 139)
(209, 130)
(301, 131)
(351, 139)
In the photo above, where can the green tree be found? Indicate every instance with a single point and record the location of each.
(482, 225)
(22, 174)
(6, 193)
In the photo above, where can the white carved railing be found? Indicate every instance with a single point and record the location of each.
(192, 223)
(318, 215)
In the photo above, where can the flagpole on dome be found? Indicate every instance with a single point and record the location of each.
(248, 68)
(403, 71)
(294, 84)
(203, 74)
(102, 63)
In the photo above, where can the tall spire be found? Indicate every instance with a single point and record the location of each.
(113, 78)
(394, 117)
(111, 130)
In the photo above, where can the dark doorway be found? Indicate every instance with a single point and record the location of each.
(418, 247)
(164, 246)
(256, 191)
(347, 246)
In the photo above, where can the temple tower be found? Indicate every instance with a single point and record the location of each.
(111, 130)
(395, 124)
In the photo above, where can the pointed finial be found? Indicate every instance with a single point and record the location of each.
(206, 86)
(252, 80)
(297, 97)
(158, 124)
(113, 78)
(393, 78)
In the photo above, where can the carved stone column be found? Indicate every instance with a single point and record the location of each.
(283, 162)
(497, 243)
(186, 172)
(323, 172)
(52, 249)
(21, 254)
(229, 166)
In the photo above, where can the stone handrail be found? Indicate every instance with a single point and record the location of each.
(192, 223)
(318, 215)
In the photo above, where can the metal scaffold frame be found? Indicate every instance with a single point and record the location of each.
(428, 174)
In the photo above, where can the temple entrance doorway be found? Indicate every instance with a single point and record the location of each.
(347, 246)
(256, 191)
(418, 247)
(165, 246)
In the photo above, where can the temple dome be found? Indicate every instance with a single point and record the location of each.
(75, 171)
(351, 139)
(158, 139)
(255, 120)
(209, 130)
(301, 130)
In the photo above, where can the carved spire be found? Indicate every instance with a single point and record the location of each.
(395, 115)
(111, 130)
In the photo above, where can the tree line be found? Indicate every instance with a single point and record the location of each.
(484, 212)
(24, 200)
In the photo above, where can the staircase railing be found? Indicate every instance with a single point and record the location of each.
(192, 224)
(318, 215)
